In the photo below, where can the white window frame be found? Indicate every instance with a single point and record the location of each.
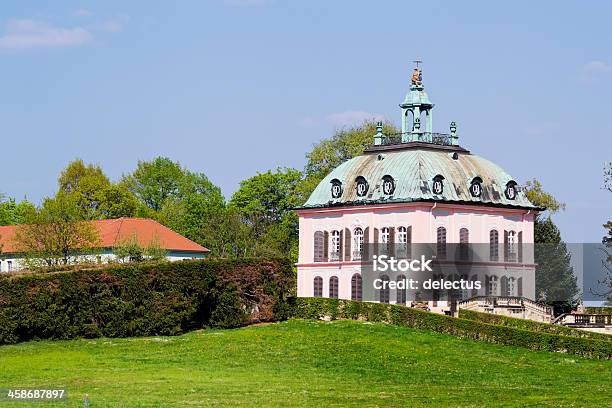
(358, 236)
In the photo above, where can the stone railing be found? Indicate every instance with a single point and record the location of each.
(584, 320)
(506, 301)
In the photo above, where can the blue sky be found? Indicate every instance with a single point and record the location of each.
(232, 87)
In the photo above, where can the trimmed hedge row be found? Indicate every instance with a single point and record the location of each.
(323, 308)
(598, 309)
(143, 299)
(530, 325)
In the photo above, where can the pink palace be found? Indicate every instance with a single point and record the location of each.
(420, 187)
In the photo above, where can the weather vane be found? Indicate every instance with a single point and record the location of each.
(417, 76)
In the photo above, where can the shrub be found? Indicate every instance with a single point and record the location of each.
(310, 308)
(530, 325)
(143, 299)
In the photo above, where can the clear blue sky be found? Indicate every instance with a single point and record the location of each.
(232, 87)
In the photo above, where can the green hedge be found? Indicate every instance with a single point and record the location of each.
(598, 309)
(143, 299)
(318, 308)
(530, 325)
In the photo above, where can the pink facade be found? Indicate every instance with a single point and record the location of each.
(424, 220)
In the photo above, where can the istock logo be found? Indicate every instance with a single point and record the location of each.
(384, 263)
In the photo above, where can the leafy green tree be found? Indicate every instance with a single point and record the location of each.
(539, 197)
(94, 193)
(130, 250)
(265, 204)
(12, 213)
(155, 181)
(329, 153)
(556, 283)
(56, 233)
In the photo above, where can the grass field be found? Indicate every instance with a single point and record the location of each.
(304, 363)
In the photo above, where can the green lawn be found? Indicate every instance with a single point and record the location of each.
(304, 363)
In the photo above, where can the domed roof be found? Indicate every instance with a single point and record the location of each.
(412, 170)
(416, 96)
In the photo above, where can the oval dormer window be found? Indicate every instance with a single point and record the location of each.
(438, 185)
(388, 185)
(476, 187)
(336, 188)
(362, 186)
(511, 190)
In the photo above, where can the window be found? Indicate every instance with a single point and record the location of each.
(476, 187)
(388, 185)
(318, 287)
(492, 286)
(474, 290)
(9, 265)
(493, 246)
(510, 246)
(333, 287)
(401, 293)
(464, 239)
(438, 185)
(383, 293)
(356, 287)
(511, 287)
(510, 191)
(403, 241)
(362, 186)
(357, 243)
(319, 246)
(385, 239)
(335, 246)
(336, 188)
(441, 243)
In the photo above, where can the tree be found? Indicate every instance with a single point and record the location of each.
(265, 204)
(330, 153)
(556, 283)
(130, 250)
(536, 194)
(12, 213)
(155, 181)
(56, 233)
(93, 192)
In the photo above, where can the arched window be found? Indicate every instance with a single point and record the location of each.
(510, 191)
(333, 287)
(511, 290)
(335, 247)
(385, 239)
(383, 293)
(510, 246)
(476, 187)
(356, 287)
(520, 246)
(437, 186)
(401, 293)
(441, 243)
(504, 286)
(464, 239)
(320, 252)
(492, 286)
(493, 245)
(474, 290)
(318, 287)
(357, 243)
(403, 241)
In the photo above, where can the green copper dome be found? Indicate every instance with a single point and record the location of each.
(413, 167)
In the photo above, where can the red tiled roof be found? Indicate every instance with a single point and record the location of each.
(113, 232)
